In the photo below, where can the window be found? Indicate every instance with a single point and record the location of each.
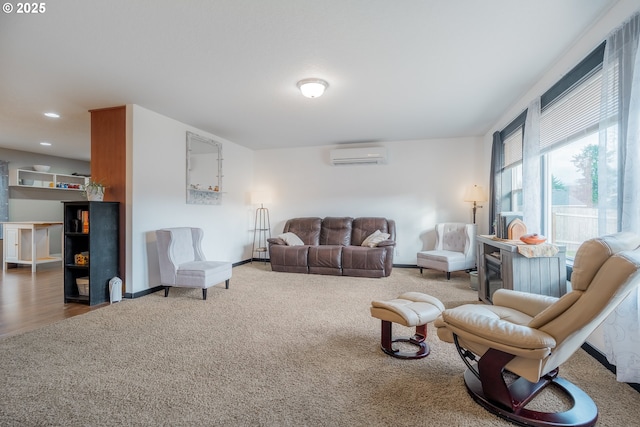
(571, 203)
(512, 172)
(578, 173)
(574, 209)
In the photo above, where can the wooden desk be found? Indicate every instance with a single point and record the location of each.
(27, 243)
(501, 266)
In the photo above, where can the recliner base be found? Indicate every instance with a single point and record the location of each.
(486, 384)
(583, 413)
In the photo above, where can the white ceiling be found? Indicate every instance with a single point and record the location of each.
(397, 70)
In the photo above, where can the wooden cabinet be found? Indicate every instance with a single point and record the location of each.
(501, 266)
(90, 228)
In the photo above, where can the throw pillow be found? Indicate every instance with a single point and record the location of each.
(375, 238)
(291, 239)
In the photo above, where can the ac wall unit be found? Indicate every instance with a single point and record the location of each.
(358, 156)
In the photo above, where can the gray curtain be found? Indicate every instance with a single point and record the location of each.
(495, 181)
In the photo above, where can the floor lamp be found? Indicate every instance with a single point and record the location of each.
(475, 194)
(262, 225)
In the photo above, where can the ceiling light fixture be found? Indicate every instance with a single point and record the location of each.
(312, 88)
(52, 115)
(45, 143)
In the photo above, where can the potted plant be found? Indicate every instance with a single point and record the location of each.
(94, 190)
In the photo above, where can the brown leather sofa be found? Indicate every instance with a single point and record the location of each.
(334, 246)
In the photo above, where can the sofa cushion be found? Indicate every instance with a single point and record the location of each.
(307, 229)
(361, 261)
(182, 247)
(290, 259)
(336, 231)
(325, 256)
(455, 237)
(364, 227)
(375, 238)
(442, 260)
(291, 239)
(202, 274)
(325, 259)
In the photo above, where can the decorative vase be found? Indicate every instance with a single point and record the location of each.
(95, 194)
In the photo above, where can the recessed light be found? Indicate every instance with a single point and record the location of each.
(45, 143)
(52, 115)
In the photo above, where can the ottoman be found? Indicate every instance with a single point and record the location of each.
(409, 309)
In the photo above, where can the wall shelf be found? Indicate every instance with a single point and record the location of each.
(203, 197)
(47, 180)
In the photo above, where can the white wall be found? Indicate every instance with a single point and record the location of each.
(157, 181)
(422, 184)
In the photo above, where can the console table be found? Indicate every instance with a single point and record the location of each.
(27, 243)
(501, 266)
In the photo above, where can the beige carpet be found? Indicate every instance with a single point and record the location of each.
(276, 349)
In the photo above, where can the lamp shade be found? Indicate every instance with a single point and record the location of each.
(260, 197)
(475, 193)
(312, 88)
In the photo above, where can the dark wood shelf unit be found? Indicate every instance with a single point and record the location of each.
(102, 243)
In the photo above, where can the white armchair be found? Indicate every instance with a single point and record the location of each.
(182, 262)
(455, 249)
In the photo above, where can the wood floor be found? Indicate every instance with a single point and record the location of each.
(31, 300)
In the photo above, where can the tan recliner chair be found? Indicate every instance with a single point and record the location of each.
(529, 336)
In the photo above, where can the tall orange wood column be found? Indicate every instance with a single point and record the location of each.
(108, 162)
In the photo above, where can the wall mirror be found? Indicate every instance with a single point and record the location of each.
(204, 170)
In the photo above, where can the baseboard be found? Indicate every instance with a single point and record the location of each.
(246, 261)
(139, 294)
(269, 260)
(597, 354)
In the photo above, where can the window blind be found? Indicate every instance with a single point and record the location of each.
(513, 148)
(574, 115)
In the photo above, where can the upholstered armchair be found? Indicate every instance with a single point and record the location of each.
(523, 338)
(455, 249)
(183, 264)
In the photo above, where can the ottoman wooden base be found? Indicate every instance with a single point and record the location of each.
(386, 342)
(409, 309)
